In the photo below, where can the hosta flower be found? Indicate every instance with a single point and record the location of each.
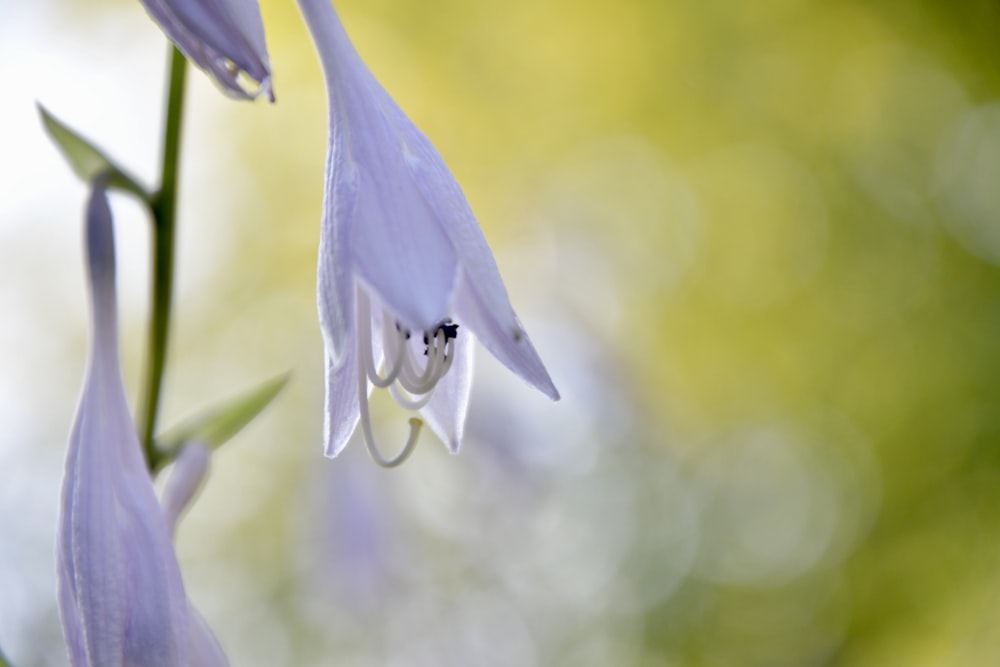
(405, 273)
(223, 37)
(121, 597)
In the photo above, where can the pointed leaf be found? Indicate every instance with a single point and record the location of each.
(86, 160)
(218, 424)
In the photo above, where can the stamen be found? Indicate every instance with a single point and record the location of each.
(442, 363)
(450, 332)
(407, 402)
(364, 322)
(366, 426)
(426, 380)
(449, 357)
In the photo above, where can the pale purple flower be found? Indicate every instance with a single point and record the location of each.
(121, 597)
(223, 37)
(405, 272)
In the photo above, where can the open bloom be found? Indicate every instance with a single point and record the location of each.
(223, 37)
(405, 272)
(121, 597)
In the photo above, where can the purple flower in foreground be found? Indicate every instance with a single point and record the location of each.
(121, 597)
(223, 37)
(405, 272)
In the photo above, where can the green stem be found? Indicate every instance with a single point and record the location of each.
(164, 209)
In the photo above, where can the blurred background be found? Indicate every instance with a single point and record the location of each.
(757, 245)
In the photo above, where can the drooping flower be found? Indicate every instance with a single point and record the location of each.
(121, 597)
(223, 37)
(405, 272)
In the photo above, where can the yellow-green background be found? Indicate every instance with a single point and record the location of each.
(755, 242)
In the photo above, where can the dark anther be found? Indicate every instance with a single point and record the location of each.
(405, 332)
(450, 332)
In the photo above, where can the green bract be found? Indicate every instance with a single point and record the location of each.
(86, 160)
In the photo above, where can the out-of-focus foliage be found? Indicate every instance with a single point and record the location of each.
(86, 161)
(214, 427)
(757, 244)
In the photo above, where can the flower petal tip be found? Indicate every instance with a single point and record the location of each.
(332, 448)
(266, 90)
